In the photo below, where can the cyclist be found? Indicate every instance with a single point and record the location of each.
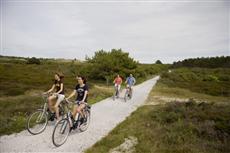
(81, 90)
(130, 81)
(117, 82)
(55, 99)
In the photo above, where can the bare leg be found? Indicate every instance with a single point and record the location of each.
(80, 108)
(74, 112)
(51, 103)
(59, 100)
(57, 110)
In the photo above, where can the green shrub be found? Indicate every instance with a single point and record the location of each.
(209, 81)
(15, 92)
(33, 60)
(180, 127)
(208, 62)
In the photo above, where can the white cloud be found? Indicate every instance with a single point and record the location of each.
(168, 31)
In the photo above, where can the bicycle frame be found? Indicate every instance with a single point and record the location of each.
(77, 117)
(129, 90)
(67, 124)
(44, 108)
(116, 90)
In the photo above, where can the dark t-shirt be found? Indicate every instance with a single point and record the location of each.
(58, 86)
(81, 92)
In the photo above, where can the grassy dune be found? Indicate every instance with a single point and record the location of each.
(178, 127)
(215, 82)
(21, 85)
(176, 119)
(15, 109)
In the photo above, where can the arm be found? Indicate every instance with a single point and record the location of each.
(51, 89)
(60, 88)
(71, 95)
(134, 81)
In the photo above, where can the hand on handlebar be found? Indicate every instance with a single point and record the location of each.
(45, 93)
(67, 100)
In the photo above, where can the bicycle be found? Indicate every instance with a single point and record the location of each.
(116, 93)
(128, 93)
(66, 125)
(37, 121)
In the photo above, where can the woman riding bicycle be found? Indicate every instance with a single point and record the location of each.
(55, 99)
(81, 90)
(117, 82)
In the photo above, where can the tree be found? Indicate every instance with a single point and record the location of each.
(33, 60)
(158, 62)
(107, 64)
(206, 62)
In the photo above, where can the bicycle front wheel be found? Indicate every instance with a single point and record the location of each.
(126, 96)
(37, 122)
(130, 95)
(61, 132)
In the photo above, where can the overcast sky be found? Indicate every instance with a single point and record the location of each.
(149, 30)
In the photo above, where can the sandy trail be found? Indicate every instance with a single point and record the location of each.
(105, 116)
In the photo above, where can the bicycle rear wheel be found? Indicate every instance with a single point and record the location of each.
(61, 132)
(114, 96)
(37, 122)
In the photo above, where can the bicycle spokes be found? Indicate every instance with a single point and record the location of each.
(61, 132)
(63, 127)
(36, 123)
(40, 117)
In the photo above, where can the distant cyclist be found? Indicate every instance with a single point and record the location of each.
(130, 81)
(55, 99)
(117, 82)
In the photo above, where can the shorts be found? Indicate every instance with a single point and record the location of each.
(79, 102)
(60, 97)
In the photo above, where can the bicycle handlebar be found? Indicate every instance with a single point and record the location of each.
(68, 101)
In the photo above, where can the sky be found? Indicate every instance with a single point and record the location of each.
(168, 30)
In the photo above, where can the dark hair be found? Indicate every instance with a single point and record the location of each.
(83, 78)
(60, 75)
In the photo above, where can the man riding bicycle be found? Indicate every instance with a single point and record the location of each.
(130, 81)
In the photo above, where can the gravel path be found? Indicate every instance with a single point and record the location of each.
(105, 116)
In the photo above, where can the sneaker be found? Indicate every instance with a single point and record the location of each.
(75, 124)
(52, 116)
